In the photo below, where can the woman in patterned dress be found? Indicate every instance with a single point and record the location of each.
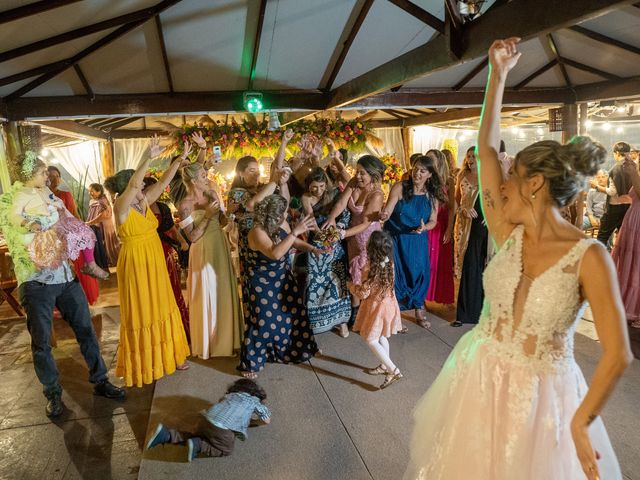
(277, 328)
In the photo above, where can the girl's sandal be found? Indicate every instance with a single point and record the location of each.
(249, 375)
(403, 329)
(379, 370)
(391, 378)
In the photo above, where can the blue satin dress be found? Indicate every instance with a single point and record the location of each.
(410, 250)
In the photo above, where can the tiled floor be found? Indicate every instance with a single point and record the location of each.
(328, 415)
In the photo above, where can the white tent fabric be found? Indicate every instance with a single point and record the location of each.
(128, 153)
(426, 138)
(79, 160)
(391, 143)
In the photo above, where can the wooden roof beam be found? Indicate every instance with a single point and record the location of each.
(155, 103)
(587, 68)
(556, 53)
(362, 14)
(121, 123)
(65, 64)
(163, 49)
(84, 81)
(472, 74)
(144, 13)
(420, 13)
(609, 90)
(32, 9)
(256, 43)
(73, 129)
(598, 37)
(536, 74)
(429, 98)
(521, 18)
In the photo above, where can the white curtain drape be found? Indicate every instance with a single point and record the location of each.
(426, 138)
(79, 160)
(391, 143)
(128, 153)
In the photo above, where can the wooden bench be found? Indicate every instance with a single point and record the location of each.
(8, 282)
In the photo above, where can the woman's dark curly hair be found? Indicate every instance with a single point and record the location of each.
(118, 183)
(244, 385)
(433, 185)
(380, 253)
(269, 214)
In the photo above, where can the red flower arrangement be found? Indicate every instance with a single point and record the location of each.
(394, 170)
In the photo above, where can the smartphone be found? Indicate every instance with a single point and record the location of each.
(217, 154)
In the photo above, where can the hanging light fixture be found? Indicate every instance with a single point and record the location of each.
(274, 122)
(470, 9)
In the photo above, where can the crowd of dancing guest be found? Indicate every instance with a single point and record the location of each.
(304, 243)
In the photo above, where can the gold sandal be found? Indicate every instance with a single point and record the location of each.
(379, 370)
(391, 378)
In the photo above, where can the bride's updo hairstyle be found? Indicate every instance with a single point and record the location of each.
(565, 168)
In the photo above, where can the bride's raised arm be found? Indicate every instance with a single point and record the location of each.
(503, 56)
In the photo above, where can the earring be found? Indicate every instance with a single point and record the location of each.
(533, 196)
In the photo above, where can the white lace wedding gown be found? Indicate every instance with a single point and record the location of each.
(501, 407)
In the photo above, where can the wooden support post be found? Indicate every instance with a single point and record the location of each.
(106, 157)
(407, 145)
(582, 118)
(569, 121)
(5, 178)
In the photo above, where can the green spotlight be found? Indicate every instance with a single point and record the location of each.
(253, 102)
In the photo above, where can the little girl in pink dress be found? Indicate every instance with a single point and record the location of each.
(379, 314)
(59, 236)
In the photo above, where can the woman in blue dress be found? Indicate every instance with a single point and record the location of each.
(277, 328)
(411, 211)
(327, 295)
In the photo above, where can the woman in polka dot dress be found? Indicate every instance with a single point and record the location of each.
(277, 328)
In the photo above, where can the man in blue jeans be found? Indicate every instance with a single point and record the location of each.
(42, 289)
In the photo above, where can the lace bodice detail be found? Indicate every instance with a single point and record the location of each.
(548, 306)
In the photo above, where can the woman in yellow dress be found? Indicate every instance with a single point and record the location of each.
(152, 339)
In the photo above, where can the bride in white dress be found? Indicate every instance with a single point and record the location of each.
(510, 402)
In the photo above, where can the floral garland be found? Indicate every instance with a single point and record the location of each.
(14, 236)
(394, 170)
(252, 137)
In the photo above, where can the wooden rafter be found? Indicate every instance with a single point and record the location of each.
(518, 15)
(150, 103)
(471, 75)
(121, 123)
(598, 37)
(587, 68)
(556, 53)
(163, 49)
(32, 72)
(609, 90)
(536, 74)
(464, 98)
(32, 9)
(494, 5)
(66, 127)
(420, 13)
(362, 14)
(394, 113)
(453, 28)
(69, 62)
(91, 122)
(101, 125)
(144, 13)
(83, 80)
(256, 43)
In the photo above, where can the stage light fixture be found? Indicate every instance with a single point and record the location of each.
(252, 102)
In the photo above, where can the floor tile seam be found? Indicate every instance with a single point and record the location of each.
(14, 427)
(24, 391)
(342, 422)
